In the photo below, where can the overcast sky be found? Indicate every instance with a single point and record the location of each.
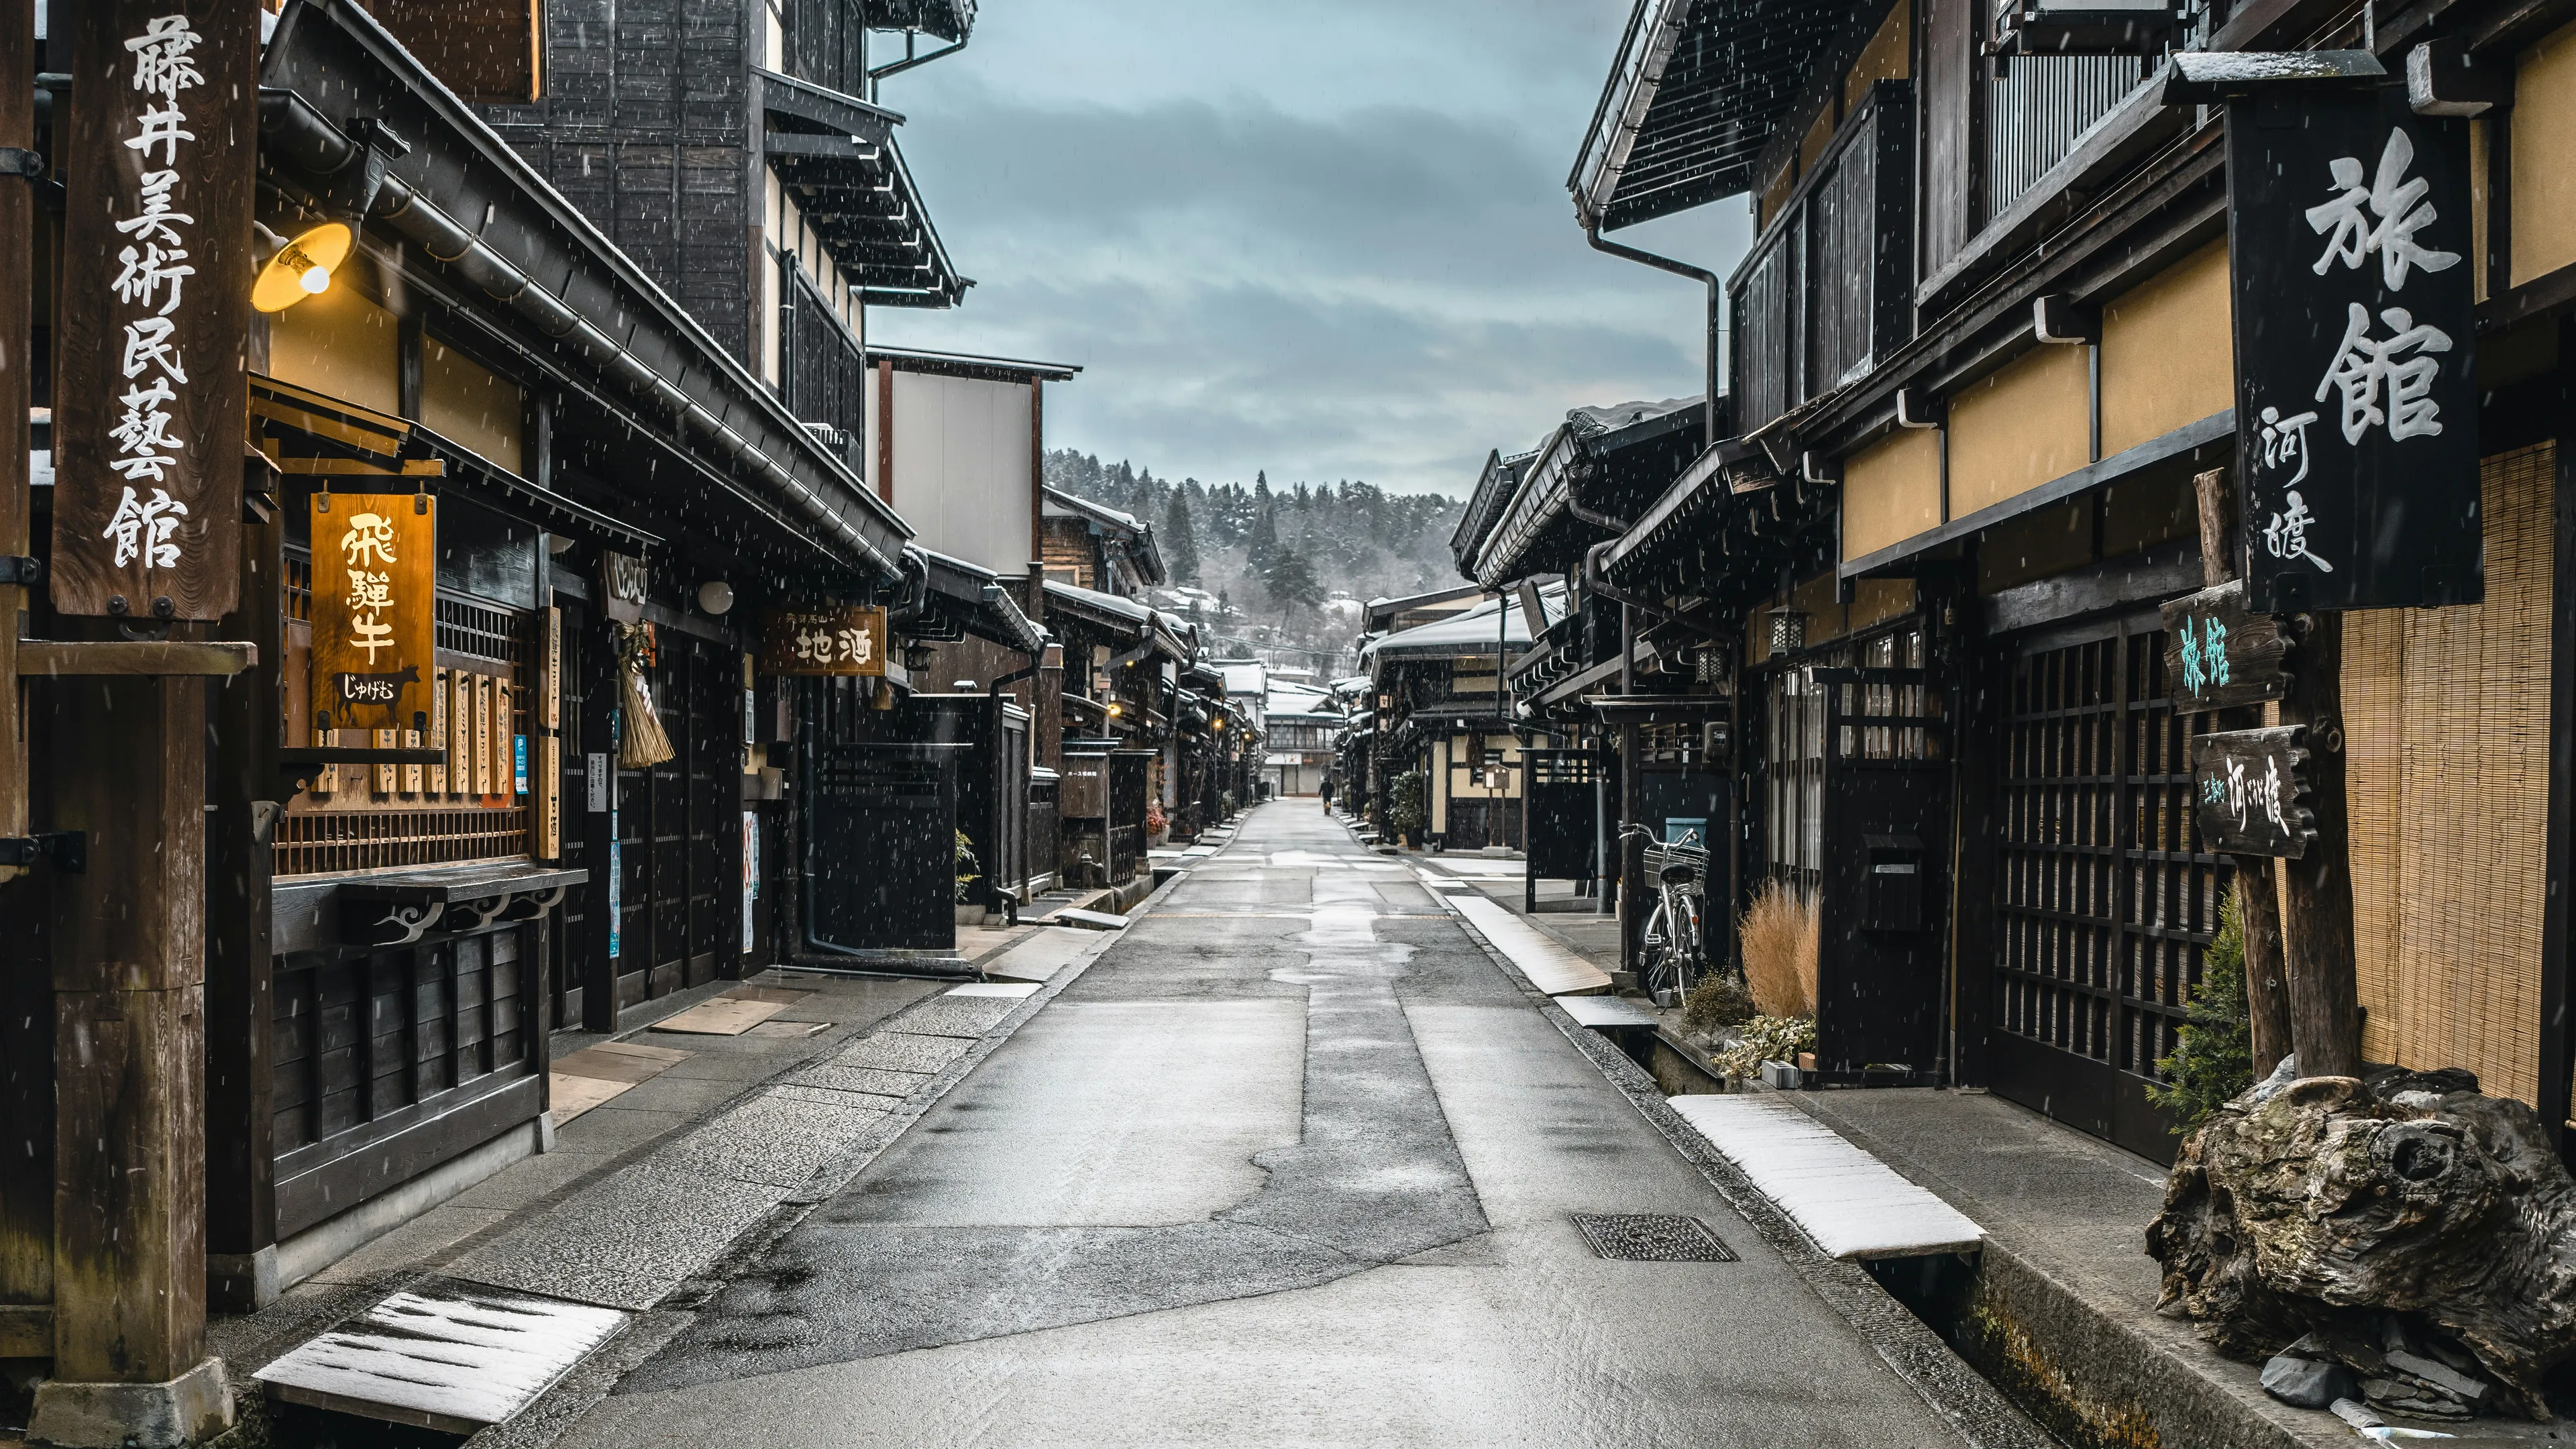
(1329, 239)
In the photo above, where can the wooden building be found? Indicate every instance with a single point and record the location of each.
(618, 444)
(1982, 353)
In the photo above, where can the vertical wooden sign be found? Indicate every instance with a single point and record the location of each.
(155, 309)
(482, 742)
(505, 735)
(374, 611)
(2356, 395)
(550, 798)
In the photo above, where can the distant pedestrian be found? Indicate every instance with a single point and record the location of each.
(1327, 788)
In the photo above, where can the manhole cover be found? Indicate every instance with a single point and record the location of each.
(1652, 1238)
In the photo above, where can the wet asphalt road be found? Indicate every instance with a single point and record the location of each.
(1293, 1163)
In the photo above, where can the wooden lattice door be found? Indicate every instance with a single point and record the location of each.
(2104, 897)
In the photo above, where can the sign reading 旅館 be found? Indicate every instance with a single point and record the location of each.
(2356, 402)
(2219, 654)
(831, 639)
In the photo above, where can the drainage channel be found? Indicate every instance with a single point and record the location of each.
(1898, 1264)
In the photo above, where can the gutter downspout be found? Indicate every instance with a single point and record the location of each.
(1716, 294)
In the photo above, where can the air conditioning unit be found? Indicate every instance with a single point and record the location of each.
(2087, 27)
(837, 439)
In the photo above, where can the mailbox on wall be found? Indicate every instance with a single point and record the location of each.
(1894, 899)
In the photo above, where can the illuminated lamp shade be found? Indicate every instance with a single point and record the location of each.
(302, 268)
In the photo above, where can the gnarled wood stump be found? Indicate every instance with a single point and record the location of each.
(2320, 1203)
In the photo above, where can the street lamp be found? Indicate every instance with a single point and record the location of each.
(300, 268)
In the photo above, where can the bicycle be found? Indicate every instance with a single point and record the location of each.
(1674, 946)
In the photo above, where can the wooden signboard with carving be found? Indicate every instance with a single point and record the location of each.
(2249, 787)
(375, 612)
(156, 262)
(2220, 654)
(833, 639)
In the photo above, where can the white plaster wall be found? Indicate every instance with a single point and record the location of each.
(961, 466)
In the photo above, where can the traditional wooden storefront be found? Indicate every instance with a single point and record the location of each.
(2040, 446)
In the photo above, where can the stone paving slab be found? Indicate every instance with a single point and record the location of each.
(901, 1051)
(775, 1139)
(870, 1081)
(625, 1241)
(966, 1016)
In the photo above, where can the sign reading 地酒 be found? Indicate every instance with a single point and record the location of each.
(2246, 788)
(2356, 406)
(155, 307)
(2219, 654)
(832, 639)
(375, 584)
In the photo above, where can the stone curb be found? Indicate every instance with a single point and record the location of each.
(1957, 1392)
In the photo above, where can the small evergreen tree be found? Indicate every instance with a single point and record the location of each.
(1291, 580)
(1261, 541)
(1180, 540)
(2213, 1058)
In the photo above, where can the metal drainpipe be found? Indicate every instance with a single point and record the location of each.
(1716, 292)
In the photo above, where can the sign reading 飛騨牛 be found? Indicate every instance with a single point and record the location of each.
(375, 584)
(830, 639)
(2219, 654)
(154, 308)
(2356, 407)
(2246, 791)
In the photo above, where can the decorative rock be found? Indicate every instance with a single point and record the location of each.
(2327, 1205)
(2355, 1413)
(2306, 1383)
(2452, 1384)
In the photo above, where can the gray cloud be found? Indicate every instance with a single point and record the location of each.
(1380, 289)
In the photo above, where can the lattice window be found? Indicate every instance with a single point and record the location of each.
(363, 817)
(2107, 898)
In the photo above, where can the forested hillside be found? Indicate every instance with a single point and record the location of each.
(1279, 558)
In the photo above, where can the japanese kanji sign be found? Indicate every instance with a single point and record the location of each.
(2219, 655)
(2356, 413)
(375, 605)
(833, 639)
(2246, 790)
(155, 309)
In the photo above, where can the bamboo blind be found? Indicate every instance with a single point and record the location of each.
(2447, 727)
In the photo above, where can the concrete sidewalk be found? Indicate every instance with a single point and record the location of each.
(717, 1137)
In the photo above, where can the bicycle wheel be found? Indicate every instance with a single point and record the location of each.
(1658, 947)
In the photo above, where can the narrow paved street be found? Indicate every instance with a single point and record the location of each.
(1295, 1161)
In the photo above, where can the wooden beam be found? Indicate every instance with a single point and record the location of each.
(2325, 1006)
(17, 221)
(46, 658)
(2258, 899)
(26, 1330)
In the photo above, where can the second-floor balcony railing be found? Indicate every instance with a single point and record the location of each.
(1827, 291)
(821, 369)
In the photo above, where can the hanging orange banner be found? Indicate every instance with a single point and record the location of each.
(375, 602)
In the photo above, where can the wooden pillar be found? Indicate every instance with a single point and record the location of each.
(241, 1198)
(2325, 1006)
(126, 757)
(2258, 903)
(129, 768)
(1632, 849)
(26, 994)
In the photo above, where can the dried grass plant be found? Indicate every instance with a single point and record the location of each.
(1779, 937)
